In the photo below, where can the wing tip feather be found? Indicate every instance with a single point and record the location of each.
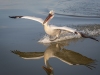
(15, 17)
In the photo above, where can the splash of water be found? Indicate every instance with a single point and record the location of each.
(46, 38)
(92, 30)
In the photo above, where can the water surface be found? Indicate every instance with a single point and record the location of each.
(23, 35)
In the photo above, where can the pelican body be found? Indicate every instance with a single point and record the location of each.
(51, 30)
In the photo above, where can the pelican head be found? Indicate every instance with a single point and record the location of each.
(51, 12)
(49, 17)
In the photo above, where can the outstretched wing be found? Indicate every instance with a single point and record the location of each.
(64, 28)
(29, 55)
(29, 17)
(73, 58)
(74, 31)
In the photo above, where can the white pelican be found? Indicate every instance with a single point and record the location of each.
(51, 30)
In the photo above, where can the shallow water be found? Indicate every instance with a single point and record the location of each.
(24, 36)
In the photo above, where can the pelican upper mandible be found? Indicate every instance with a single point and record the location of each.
(51, 30)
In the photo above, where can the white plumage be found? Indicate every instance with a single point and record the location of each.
(51, 30)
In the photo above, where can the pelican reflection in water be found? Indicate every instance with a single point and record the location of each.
(56, 50)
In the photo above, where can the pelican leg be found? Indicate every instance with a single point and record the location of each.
(58, 32)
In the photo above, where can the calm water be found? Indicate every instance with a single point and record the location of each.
(22, 35)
